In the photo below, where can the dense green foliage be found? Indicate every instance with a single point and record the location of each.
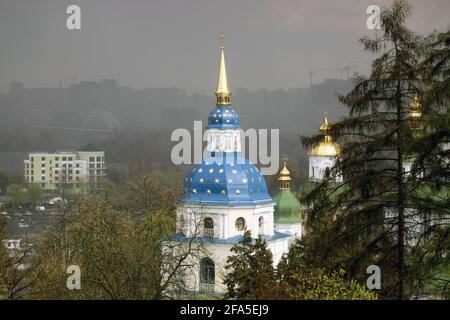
(385, 213)
(252, 276)
(118, 240)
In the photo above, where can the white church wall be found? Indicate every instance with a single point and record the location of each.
(318, 166)
(191, 217)
(219, 254)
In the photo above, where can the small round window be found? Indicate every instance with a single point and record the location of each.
(240, 224)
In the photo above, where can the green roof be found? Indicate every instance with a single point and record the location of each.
(426, 191)
(431, 192)
(334, 188)
(90, 148)
(287, 208)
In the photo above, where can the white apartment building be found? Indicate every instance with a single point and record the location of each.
(83, 169)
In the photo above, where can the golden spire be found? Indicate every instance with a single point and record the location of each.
(326, 148)
(285, 176)
(223, 94)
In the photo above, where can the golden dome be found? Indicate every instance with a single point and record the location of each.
(285, 175)
(326, 148)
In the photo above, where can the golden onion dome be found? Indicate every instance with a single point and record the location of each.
(285, 175)
(326, 148)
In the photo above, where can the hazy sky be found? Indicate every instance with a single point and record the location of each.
(162, 43)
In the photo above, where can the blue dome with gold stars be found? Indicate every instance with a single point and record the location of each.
(226, 179)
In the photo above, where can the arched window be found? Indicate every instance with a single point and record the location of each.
(208, 227)
(207, 275)
(261, 225)
(240, 224)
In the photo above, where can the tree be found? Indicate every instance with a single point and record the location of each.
(34, 193)
(155, 191)
(328, 286)
(16, 194)
(17, 268)
(7, 178)
(251, 274)
(116, 254)
(365, 220)
(432, 166)
(303, 282)
(121, 249)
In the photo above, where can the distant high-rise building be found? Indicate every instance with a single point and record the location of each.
(83, 169)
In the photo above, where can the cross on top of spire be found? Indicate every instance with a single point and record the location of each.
(221, 40)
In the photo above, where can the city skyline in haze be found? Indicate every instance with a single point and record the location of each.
(173, 43)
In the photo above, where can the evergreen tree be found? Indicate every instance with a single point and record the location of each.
(250, 271)
(431, 165)
(366, 219)
(253, 277)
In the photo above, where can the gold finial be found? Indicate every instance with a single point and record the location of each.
(325, 126)
(223, 94)
(415, 107)
(285, 175)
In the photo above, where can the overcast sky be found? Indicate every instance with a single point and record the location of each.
(163, 43)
